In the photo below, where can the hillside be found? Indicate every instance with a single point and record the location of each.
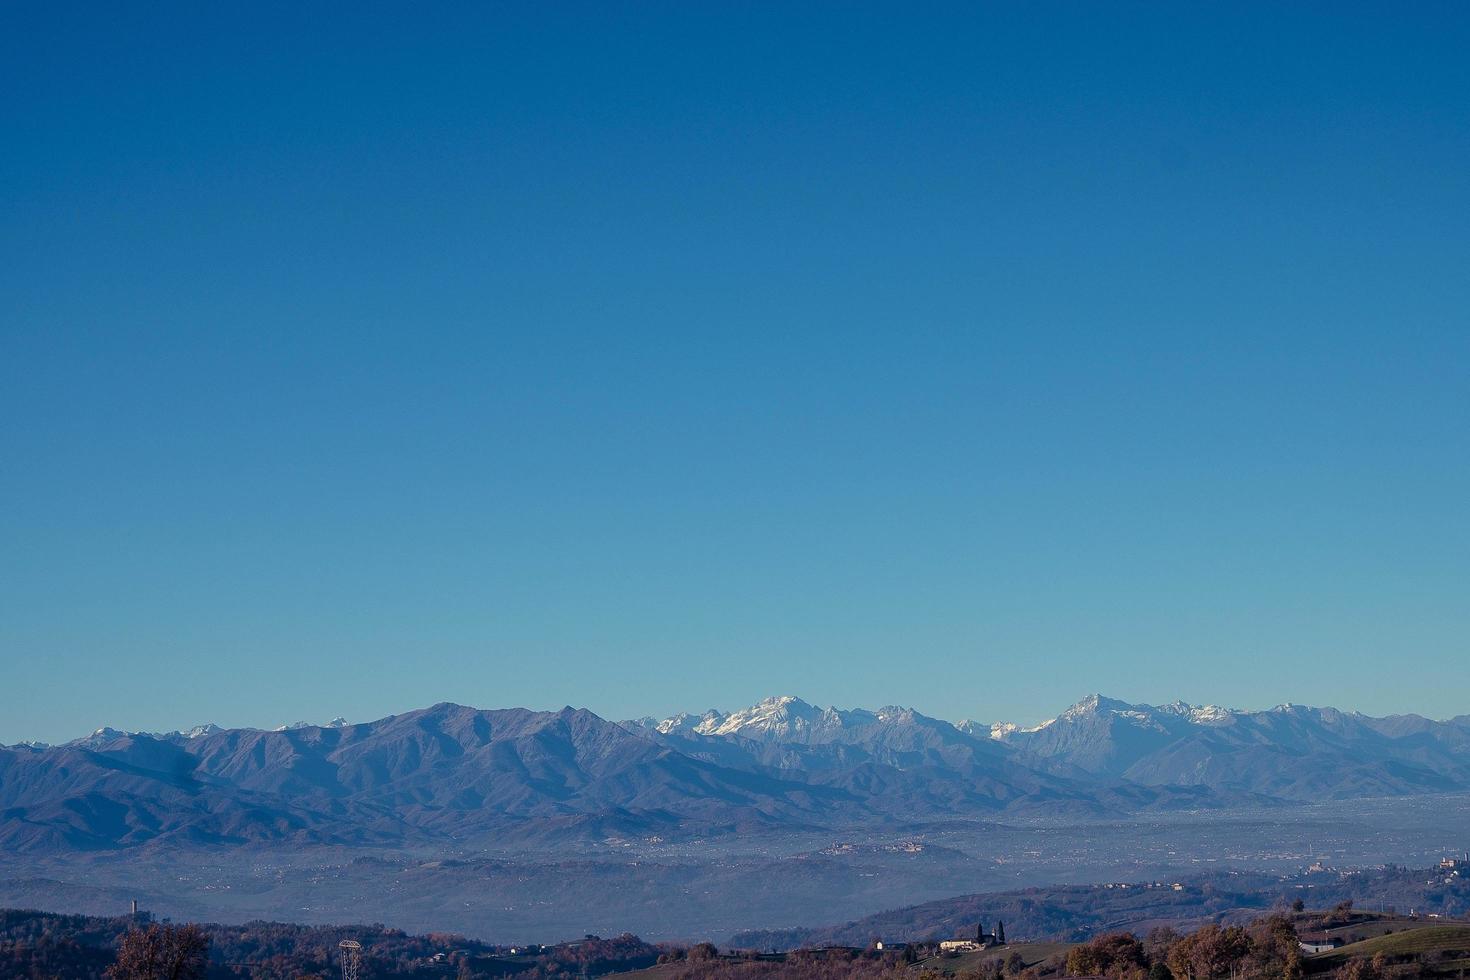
(1071, 913)
(1448, 939)
(1250, 945)
(81, 947)
(1028, 956)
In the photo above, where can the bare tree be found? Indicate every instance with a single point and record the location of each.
(162, 953)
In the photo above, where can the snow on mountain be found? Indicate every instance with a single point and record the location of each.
(1209, 714)
(685, 723)
(1003, 730)
(789, 719)
(438, 773)
(1097, 705)
(106, 735)
(101, 736)
(780, 716)
(297, 726)
(901, 758)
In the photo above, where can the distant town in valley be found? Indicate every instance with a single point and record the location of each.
(1226, 924)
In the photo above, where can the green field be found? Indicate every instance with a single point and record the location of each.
(1425, 939)
(1374, 925)
(661, 972)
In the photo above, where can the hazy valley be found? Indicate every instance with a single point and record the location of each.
(537, 825)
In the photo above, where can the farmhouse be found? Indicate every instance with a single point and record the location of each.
(981, 940)
(1319, 944)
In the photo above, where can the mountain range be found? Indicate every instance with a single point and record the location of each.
(451, 773)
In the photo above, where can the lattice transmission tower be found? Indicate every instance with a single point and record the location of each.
(351, 958)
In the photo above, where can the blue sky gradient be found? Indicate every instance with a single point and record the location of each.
(654, 357)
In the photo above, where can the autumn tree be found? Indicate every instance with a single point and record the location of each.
(1275, 950)
(1360, 969)
(162, 952)
(1208, 952)
(702, 951)
(1158, 942)
(1114, 954)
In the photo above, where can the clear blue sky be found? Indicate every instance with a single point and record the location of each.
(661, 356)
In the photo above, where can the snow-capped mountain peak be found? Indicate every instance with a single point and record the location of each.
(1092, 706)
(1000, 731)
(297, 726)
(1205, 714)
(778, 715)
(788, 718)
(684, 722)
(1096, 704)
(1100, 706)
(101, 736)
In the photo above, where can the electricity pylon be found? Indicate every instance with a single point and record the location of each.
(351, 958)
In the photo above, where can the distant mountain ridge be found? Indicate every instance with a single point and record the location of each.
(107, 734)
(1289, 753)
(455, 773)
